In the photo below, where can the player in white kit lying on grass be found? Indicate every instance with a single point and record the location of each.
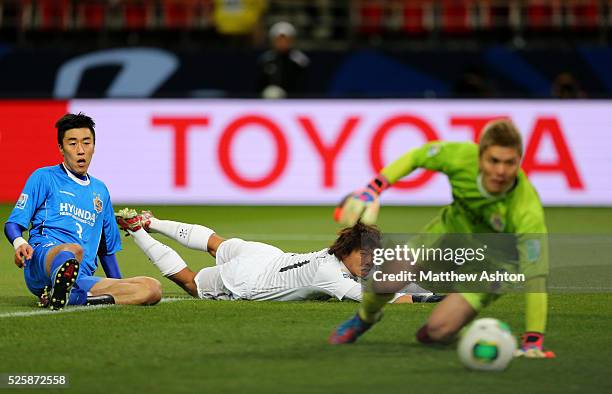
(248, 270)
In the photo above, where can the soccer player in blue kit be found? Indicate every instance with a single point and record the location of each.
(73, 223)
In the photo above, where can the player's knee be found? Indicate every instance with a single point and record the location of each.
(152, 292)
(75, 249)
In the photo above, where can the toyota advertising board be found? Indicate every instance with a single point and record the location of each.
(303, 151)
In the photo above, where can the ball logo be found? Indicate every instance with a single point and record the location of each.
(97, 202)
(485, 352)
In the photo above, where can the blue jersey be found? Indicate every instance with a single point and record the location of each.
(66, 209)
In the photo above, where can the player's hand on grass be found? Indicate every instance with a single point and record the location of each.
(361, 205)
(532, 346)
(22, 253)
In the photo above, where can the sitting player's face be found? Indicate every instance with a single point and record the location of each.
(499, 166)
(78, 149)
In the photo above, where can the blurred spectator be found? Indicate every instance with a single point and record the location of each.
(320, 18)
(565, 86)
(472, 84)
(281, 70)
(239, 17)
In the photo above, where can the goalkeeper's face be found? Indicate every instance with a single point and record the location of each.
(78, 149)
(499, 166)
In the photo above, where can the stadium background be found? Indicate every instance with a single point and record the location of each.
(178, 131)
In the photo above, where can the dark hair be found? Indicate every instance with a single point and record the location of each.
(72, 121)
(503, 133)
(360, 236)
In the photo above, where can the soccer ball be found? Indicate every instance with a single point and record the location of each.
(487, 345)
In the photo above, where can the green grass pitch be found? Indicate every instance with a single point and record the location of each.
(247, 347)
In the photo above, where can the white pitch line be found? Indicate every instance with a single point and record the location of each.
(41, 312)
(50, 312)
(175, 299)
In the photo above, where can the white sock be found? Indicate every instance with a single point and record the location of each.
(192, 236)
(164, 257)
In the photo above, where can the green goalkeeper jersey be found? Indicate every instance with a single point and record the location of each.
(473, 210)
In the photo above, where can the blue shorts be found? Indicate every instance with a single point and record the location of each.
(36, 278)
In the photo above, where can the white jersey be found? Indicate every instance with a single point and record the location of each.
(256, 271)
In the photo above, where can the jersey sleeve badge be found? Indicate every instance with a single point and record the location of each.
(433, 150)
(23, 200)
(534, 250)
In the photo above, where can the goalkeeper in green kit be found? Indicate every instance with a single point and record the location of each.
(491, 194)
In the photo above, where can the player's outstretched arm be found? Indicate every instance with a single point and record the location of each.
(23, 250)
(363, 204)
(533, 262)
(536, 311)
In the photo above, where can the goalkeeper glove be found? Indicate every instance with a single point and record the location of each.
(361, 204)
(532, 346)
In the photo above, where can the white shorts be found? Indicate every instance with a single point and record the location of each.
(210, 285)
(209, 281)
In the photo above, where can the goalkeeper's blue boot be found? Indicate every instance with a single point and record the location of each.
(350, 330)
